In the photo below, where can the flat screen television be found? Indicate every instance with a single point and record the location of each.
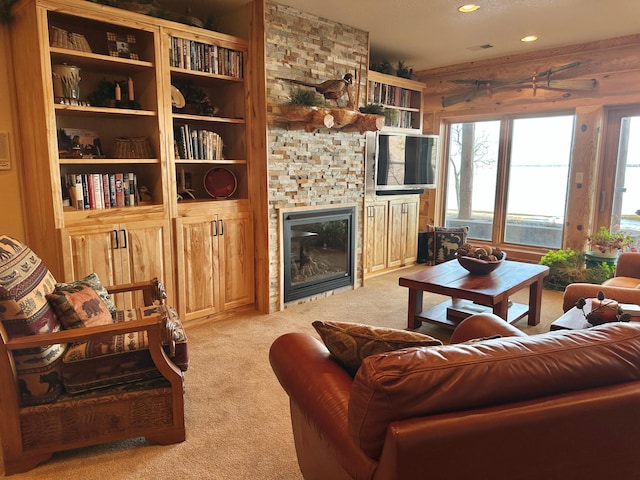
(404, 162)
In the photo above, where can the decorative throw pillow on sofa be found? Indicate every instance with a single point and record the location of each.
(442, 243)
(79, 306)
(350, 343)
(92, 280)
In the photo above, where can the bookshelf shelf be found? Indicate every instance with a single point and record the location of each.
(98, 61)
(107, 161)
(199, 118)
(86, 110)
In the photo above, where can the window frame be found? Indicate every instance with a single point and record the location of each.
(502, 179)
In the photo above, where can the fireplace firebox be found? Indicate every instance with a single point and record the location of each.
(318, 251)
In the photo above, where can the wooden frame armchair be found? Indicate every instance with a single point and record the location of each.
(131, 392)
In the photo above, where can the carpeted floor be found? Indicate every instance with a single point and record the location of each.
(237, 416)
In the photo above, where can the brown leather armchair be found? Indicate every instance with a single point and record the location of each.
(83, 383)
(623, 287)
(556, 406)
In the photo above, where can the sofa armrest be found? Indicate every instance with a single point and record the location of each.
(628, 265)
(484, 325)
(319, 390)
(575, 291)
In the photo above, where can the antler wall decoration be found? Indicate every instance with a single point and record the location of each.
(539, 80)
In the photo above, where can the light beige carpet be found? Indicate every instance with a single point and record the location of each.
(237, 415)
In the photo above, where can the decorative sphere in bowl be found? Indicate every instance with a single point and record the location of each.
(481, 264)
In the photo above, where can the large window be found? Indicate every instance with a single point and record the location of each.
(507, 179)
(619, 206)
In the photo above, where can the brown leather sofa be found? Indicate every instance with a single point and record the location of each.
(623, 287)
(561, 405)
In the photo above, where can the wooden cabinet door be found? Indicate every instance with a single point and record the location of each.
(410, 232)
(403, 232)
(198, 267)
(235, 248)
(375, 253)
(146, 253)
(396, 234)
(119, 254)
(92, 249)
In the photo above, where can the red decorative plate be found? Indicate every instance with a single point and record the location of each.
(220, 182)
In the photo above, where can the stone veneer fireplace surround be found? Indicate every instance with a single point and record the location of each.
(310, 170)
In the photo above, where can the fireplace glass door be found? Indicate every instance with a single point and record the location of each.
(318, 251)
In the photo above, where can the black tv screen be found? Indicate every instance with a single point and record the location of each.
(405, 161)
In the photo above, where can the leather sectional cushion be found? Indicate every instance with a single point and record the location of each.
(428, 381)
(623, 282)
(350, 343)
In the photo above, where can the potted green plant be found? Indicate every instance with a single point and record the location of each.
(606, 244)
(569, 266)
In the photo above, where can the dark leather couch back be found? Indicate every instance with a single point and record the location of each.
(418, 382)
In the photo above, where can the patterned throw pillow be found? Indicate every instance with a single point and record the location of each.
(442, 243)
(24, 283)
(79, 306)
(92, 280)
(350, 343)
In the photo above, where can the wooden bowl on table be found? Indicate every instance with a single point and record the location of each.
(477, 266)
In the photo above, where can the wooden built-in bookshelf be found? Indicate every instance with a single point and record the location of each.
(121, 121)
(401, 98)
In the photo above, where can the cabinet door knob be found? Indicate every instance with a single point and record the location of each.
(124, 238)
(214, 225)
(221, 227)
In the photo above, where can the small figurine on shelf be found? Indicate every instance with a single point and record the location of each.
(602, 310)
(184, 184)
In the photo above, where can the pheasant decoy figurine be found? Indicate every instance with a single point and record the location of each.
(330, 89)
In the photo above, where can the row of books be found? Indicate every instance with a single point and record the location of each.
(88, 191)
(390, 95)
(203, 57)
(402, 120)
(196, 144)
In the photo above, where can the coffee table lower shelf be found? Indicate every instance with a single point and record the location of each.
(438, 315)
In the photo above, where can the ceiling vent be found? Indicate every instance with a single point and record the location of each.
(480, 47)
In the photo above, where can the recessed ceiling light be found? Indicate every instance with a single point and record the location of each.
(529, 38)
(468, 7)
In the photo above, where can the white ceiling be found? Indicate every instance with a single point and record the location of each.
(432, 33)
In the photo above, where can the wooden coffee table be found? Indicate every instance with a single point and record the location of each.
(491, 290)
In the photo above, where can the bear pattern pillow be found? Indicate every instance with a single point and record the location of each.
(92, 280)
(79, 306)
(350, 343)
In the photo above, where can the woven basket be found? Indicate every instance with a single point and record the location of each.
(60, 38)
(135, 147)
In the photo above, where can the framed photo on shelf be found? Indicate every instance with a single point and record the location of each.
(122, 46)
(79, 143)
